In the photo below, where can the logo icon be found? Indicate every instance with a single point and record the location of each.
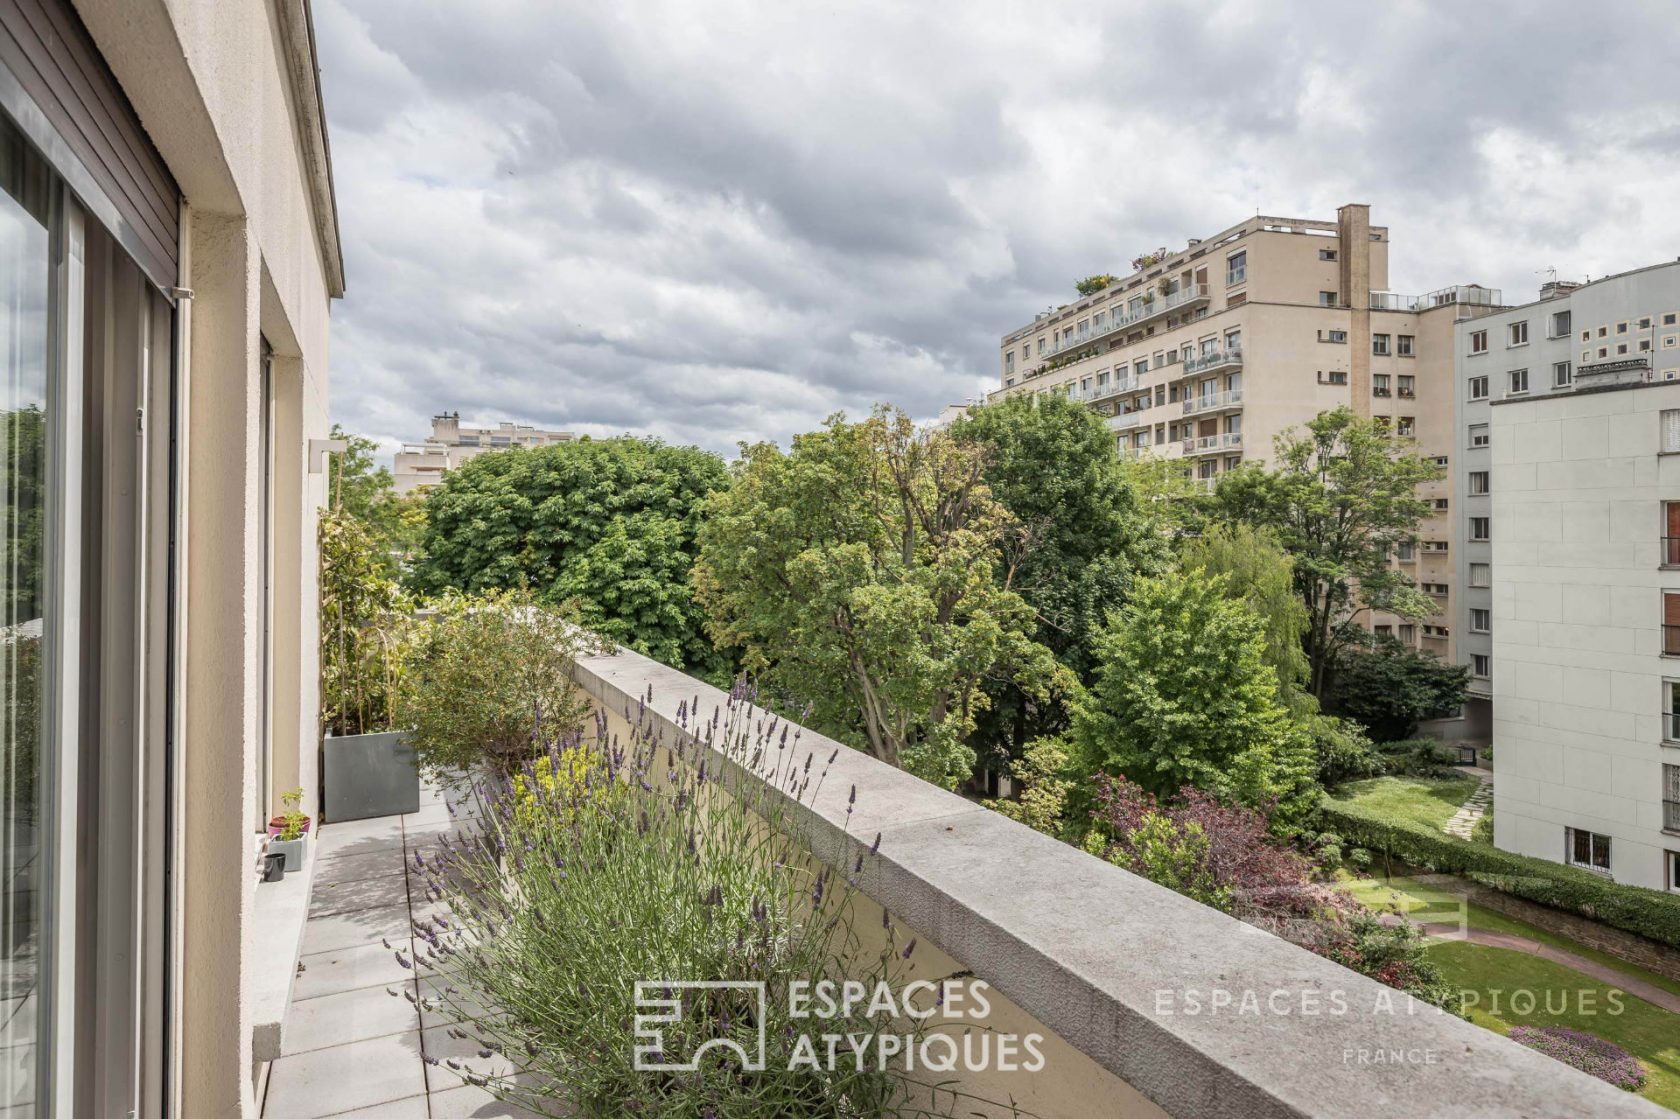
(665, 1000)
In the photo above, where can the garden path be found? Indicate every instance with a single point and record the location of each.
(1463, 823)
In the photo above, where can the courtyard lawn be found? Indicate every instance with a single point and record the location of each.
(1430, 801)
(1549, 994)
(1436, 901)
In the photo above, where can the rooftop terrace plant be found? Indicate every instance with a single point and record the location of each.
(662, 858)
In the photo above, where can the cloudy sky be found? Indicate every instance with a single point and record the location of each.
(716, 220)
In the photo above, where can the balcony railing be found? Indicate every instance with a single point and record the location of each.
(1204, 444)
(1671, 641)
(1213, 401)
(1468, 294)
(1114, 387)
(1218, 359)
(1671, 815)
(1148, 309)
(1130, 420)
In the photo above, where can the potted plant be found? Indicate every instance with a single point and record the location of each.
(288, 833)
(367, 767)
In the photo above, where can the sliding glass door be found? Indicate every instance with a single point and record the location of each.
(86, 412)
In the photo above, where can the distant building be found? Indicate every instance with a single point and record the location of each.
(1539, 350)
(450, 444)
(1203, 354)
(1585, 604)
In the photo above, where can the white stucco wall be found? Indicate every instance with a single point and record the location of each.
(1577, 611)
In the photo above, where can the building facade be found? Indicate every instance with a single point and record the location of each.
(1206, 354)
(1525, 352)
(450, 444)
(1586, 610)
(168, 252)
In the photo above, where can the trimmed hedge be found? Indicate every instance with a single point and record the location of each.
(1652, 914)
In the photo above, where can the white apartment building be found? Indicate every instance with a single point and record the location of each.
(1536, 350)
(1586, 608)
(450, 445)
(1206, 354)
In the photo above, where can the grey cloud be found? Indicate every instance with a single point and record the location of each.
(723, 221)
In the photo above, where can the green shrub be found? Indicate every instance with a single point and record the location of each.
(1648, 913)
(1417, 757)
(489, 679)
(1483, 831)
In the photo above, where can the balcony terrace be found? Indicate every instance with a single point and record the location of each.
(1218, 361)
(1227, 401)
(1143, 310)
(1105, 965)
(1212, 444)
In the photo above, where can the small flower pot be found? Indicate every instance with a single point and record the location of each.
(274, 867)
(278, 825)
(295, 851)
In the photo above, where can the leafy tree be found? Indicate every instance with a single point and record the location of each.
(607, 525)
(1342, 497)
(1076, 539)
(859, 574)
(359, 487)
(1042, 773)
(1090, 285)
(1259, 574)
(1184, 696)
(1390, 688)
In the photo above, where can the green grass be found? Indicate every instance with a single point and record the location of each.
(1430, 801)
(1433, 902)
(1562, 996)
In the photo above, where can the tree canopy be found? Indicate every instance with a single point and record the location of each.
(1184, 696)
(859, 574)
(1076, 539)
(608, 525)
(1341, 498)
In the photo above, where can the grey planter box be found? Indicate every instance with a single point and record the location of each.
(295, 850)
(366, 775)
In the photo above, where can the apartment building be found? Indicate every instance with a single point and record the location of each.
(450, 444)
(168, 251)
(1586, 601)
(1206, 354)
(1535, 350)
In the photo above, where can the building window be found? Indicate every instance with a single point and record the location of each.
(1408, 386)
(1332, 377)
(1560, 324)
(1519, 333)
(1408, 634)
(1481, 575)
(1405, 551)
(1671, 624)
(1481, 666)
(1672, 858)
(1563, 374)
(1327, 254)
(1671, 534)
(1379, 345)
(1041, 347)
(1481, 621)
(1671, 431)
(1441, 461)
(1587, 849)
(1671, 805)
(1621, 328)
(1009, 362)
(1478, 341)
(1236, 268)
(1478, 482)
(1406, 426)
(1519, 381)
(1405, 345)
(1326, 299)
(1671, 710)
(1379, 384)
(1479, 388)
(1333, 336)
(1481, 528)
(1478, 435)
(1441, 504)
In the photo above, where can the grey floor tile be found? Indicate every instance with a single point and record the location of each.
(334, 931)
(329, 973)
(366, 893)
(349, 1016)
(353, 868)
(345, 1077)
(475, 1103)
(359, 837)
(451, 1003)
(457, 1058)
(414, 1107)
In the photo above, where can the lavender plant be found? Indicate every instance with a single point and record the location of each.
(1592, 1055)
(668, 857)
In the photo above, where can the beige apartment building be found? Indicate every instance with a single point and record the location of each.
(1205, 354)
(450, 445)
(168, 252)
